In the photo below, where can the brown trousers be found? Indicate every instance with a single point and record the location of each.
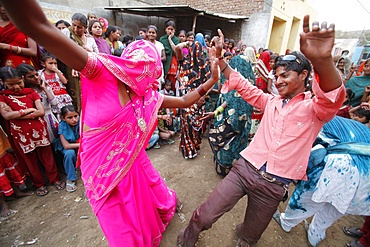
(263, 200)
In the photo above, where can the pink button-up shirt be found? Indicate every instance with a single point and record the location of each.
(286, 134)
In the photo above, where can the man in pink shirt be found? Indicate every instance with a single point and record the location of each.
(280, 149)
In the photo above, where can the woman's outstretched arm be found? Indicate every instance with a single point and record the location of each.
(31, 20)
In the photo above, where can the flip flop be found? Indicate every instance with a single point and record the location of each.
(352, 232)
(8, 215)
(354, 243)
(60, 185)
(71, 187)
(42, 191)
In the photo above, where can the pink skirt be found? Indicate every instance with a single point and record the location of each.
(138, 209)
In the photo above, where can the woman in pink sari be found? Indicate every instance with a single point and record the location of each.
(119, 113)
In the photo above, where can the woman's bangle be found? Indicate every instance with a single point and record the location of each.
(201, 91)
(227, 65)
(10, 48)
(220, 109)
(19, 50)
(22, 112)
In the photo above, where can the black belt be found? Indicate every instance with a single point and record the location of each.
(267, 176)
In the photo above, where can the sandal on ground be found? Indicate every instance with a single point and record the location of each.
(71, 187)
(60, 185)
(42, 191)
(354, 243)
(6, 216)
(352, 232)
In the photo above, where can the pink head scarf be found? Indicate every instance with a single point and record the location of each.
(104, 21)
(139, 66)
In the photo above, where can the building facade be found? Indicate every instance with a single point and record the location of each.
(273, 24)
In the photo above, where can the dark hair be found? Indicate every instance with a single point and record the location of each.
(167, 81)
(350, 93)
(363, 112)
(152, 26)
(273, 57)
(109, 30)
(139, 37)
(91, 23)
(190, 33)
(170, 23)
(226, 54)
(9, 73)
(231, 41)
(207, 37)
(24, 68)
(298, 65)
(62, 21)
(127, 39)
(81, 18)
(142, 29)
(47, 55)
(67, 108)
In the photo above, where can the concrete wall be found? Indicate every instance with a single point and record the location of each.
(287, 17)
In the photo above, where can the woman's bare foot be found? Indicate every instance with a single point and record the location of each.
(18, 193)
(5, 212)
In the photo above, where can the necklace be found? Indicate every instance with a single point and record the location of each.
(140, 120)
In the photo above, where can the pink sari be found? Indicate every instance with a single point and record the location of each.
(130, 199)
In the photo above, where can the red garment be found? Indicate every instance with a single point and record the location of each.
(26, 133)
(9, 34)
(365, 239)
(31, 137)
(54, 82)
(8, 174)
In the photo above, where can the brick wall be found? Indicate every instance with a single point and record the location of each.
(235, 7)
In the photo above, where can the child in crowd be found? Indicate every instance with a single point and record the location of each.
(10, 178)
(167, 120)
(153, 141)
(32, 80)
(56, 80)
(271, 88)
(361, 113)
(345, 108)
(22, 107)
(69, 143)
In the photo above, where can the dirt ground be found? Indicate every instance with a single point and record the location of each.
(66, 219)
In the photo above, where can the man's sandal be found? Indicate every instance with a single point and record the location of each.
(42, 191)
(60, 185)
(353, 232)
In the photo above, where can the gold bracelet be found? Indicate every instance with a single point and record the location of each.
(19, 50)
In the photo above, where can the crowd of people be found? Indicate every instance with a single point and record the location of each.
(262, 117)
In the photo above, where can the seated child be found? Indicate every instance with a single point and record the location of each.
(153, 142)
(68, 143)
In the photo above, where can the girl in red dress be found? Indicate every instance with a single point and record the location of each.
(22, 107)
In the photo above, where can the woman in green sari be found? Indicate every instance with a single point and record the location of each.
(359, 83)
(226, 144)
